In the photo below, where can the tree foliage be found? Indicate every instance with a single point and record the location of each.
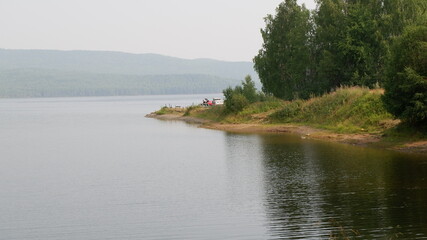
(349, 44)
(239, 97)
(249, 90)
(406, 86)
(283, 61)
(341, 42)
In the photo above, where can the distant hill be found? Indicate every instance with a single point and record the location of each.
(49, 73)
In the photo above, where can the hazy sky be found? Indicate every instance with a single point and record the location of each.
(218, 29)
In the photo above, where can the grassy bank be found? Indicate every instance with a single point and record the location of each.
(346, 111)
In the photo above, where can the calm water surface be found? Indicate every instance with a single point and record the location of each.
(96, 168)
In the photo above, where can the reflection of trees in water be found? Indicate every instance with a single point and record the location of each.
(313, 187)
(407, 194)
(292, 189)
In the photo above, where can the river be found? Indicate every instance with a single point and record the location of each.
(96, 168)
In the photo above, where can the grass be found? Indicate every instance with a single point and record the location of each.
(169, 110)
(347, 110)
(214, 113)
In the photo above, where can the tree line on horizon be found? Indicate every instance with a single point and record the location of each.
(18, 83)
(371, 43)
(54, 73)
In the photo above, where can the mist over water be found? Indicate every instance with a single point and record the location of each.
(96, 168)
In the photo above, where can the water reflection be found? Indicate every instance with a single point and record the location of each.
(95, 168)
(313, 189)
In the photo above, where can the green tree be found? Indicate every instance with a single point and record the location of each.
(249, 90)
(283, 62)
(362, 46)
(234, 101)
(397, 14)
(349, 43)
(352, 38)
(237, 103)
(239, 97)
(329, 20)
(342, 42)
(406, 85)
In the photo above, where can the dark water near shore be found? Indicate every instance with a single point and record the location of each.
(96, 168)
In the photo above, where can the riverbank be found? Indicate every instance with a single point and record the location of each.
(349, 115)
(306, 132)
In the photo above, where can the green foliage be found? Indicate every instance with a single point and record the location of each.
(236, 103)
(283, 61)
(341, 43)
(190, 109)
(164, 110)
(330, 24)
(251, 112)
(249, 90)
(262, 107)
(241, 96)
(396, 15)
(346, 110)
(216, 113)
(406, 86)
(256, 111)
(351, 47)
(288, 112)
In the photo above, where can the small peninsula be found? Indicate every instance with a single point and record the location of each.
(352, 115)
(349, 71)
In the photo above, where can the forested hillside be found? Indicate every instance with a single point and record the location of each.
(371, 43)
(49, 73)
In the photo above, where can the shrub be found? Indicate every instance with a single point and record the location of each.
(406, 82)
(249, 90)
(236, 103)
(240, 96)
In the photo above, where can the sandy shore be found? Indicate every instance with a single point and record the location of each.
(304, 131)
(178, 118)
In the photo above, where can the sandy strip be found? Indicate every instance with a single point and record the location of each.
(304, 131)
